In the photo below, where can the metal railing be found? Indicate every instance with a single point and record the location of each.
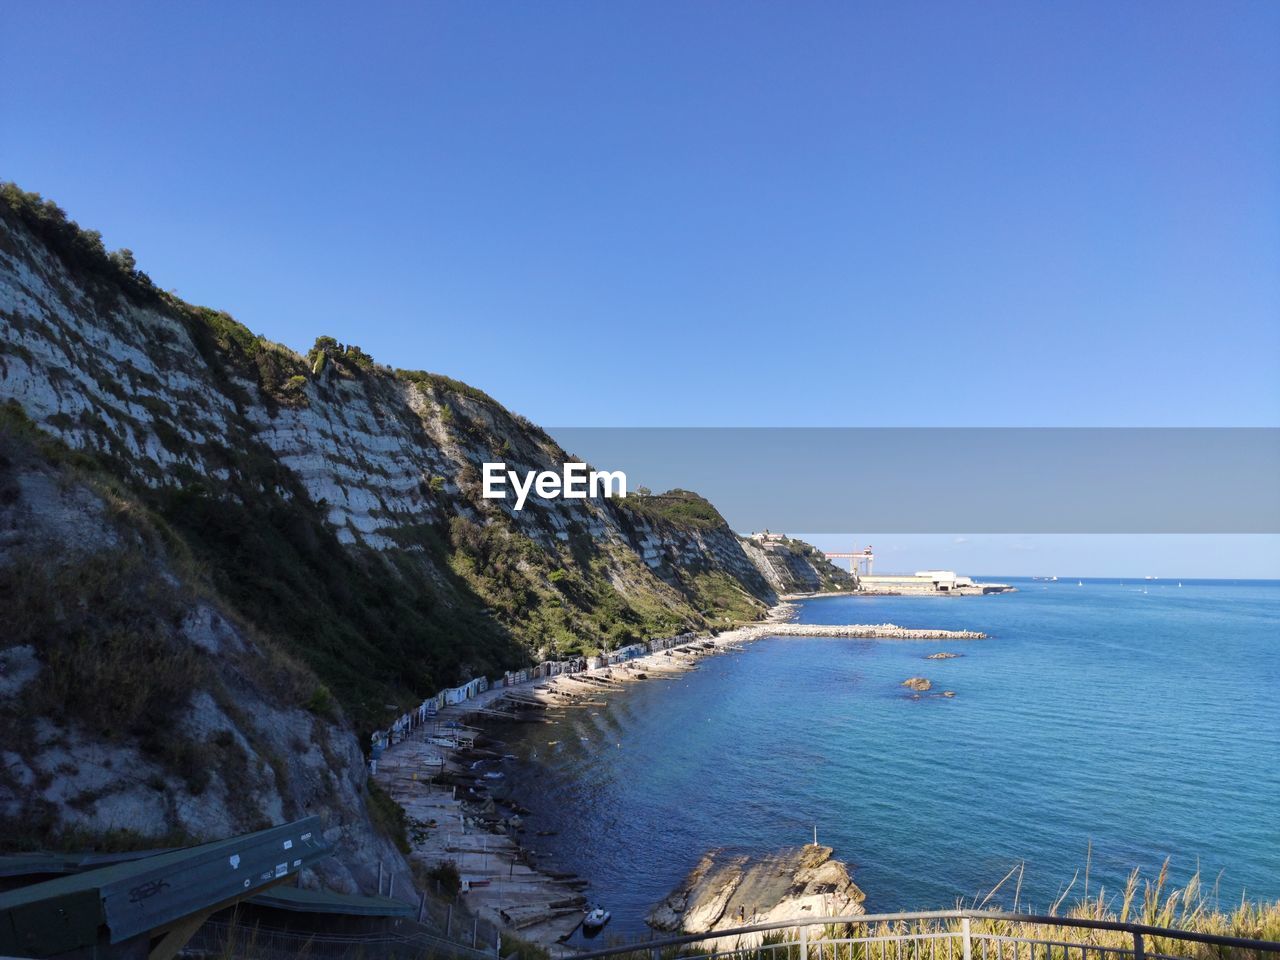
(948, 935)
(225, 941)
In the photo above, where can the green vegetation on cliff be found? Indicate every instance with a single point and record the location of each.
(677, 506)
(464, 588)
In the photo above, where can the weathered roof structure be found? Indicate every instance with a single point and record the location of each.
(327, 902)
(56, 864)
(168, 894)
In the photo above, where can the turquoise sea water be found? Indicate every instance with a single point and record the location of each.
(1140, 716)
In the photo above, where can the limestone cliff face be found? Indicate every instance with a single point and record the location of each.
(135, 708)
(172, 401)
(311, 553)
(793, 566)
(183, 399)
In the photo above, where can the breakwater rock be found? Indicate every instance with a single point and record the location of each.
(919, 684)
(869, 631)
(728, 890)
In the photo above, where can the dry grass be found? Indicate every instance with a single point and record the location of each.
(1153, 902)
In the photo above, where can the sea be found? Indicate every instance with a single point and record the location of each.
(1104, 726)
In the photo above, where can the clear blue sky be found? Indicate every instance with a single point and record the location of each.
(797, 213)
(645, 213)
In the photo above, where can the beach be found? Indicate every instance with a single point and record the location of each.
(629, 782)
(442, 773)
(436, 774)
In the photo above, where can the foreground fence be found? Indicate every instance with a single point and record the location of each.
(949, 935)
(225, 941)
(938, 935)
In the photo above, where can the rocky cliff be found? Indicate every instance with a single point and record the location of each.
(793, 566)
(286, 548)
(136, 708)
(727, 890)
(264, 460)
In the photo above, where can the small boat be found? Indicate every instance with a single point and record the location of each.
(595, 920)
(1079, 583)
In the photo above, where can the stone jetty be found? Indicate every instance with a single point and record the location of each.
(873, 631)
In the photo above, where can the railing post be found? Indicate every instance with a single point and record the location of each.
(804, 943)
(1139, 948)
(655, 953)
(968, 940)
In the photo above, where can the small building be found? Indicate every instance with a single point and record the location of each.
(944, 581)
(927, 581)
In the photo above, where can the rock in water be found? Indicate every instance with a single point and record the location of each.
(919, 684)
(944, 655)
(727, 890)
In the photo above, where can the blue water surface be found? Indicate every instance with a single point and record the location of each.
(1142, 717)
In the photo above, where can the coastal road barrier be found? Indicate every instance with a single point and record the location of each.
(948, 935)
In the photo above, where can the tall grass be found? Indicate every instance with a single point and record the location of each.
(1155, 902)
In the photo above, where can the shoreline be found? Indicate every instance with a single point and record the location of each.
(438, 776)
(975, 591)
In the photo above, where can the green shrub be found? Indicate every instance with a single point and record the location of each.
(680, 507)
(79, 248)
(388, 816)
(446, 877)
(95, 622)
(321, 702)
(443, 384)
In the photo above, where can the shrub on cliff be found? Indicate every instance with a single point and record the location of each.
(447, 879)
(388, 816)
(81, 249)
(681, 507)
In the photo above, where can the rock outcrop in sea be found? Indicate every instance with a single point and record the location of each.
(727, 890)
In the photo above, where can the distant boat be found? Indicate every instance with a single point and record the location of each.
(595, 920)
(1179, 583)
(1150, 578)
(1080, 583)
